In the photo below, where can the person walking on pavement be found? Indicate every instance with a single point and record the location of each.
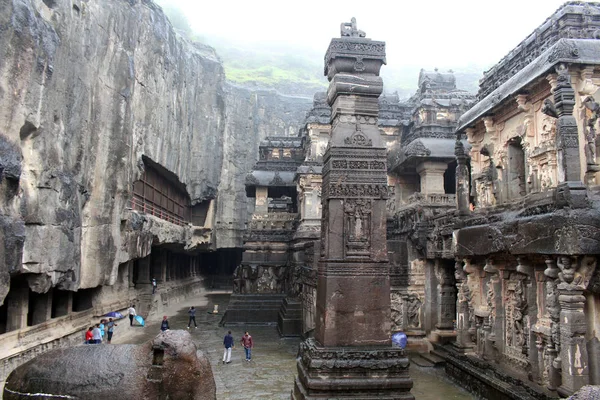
(248, 344)
(164, 325)
(153, 285)
(132, 314)
(228, 343)
(192, 314)
(110, 329)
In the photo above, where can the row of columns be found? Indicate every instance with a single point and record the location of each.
(166, 266)
(554, 295)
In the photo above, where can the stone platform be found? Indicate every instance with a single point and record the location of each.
(376, 372)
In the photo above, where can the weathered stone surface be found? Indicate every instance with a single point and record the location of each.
(587, 393)
(86, 90)
(166, 366)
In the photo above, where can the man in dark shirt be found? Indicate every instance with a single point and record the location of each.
(228, 343)
(192, 314)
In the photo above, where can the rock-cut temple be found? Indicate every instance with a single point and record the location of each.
(469, 222)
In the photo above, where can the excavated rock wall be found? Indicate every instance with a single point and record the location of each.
(86, 88)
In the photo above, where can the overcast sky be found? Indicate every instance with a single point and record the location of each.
(423, 33)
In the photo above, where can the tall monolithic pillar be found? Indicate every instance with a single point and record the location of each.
(351, 355)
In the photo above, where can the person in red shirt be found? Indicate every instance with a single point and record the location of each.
(88, 335)
(248, 344)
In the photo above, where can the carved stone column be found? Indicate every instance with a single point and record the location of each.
(351, 355)
(574, 277)
(566, 128)
(447, 296)
(463, 317)
(462, 178)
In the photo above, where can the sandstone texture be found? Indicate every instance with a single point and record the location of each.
(86, 89)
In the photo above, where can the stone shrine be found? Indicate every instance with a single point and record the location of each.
(351, 353)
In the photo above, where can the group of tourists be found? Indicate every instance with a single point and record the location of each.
(95, 334)
(246, 342)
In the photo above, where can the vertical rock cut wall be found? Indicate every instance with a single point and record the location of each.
(86, 89)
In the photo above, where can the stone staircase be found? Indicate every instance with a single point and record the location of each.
(432, 359)
(258, 309)
(289, 320)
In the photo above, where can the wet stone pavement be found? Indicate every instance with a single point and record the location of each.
(270, 374)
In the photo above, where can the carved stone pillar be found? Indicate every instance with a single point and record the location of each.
(462, 178)
(574, 277)
(553, 361)
(463, 317)
(351, 354)
(446, 298)
(567, 136)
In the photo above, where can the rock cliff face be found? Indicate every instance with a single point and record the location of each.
(86, 89)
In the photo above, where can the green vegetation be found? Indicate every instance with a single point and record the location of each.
(297, 71)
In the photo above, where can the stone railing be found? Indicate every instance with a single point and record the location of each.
(274, 221)
(432, 198)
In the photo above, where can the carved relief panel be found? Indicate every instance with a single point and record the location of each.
(357, 215)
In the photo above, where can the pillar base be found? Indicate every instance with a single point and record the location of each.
(370, 372)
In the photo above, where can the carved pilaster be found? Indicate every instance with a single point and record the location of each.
(569, 168)
(446, 296)
(574, 276)
(463, 310)
(462, 178)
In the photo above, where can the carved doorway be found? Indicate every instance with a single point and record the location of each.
(516, 169)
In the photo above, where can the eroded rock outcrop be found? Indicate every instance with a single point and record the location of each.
(168, 367)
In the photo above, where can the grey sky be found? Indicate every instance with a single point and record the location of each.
(418, 33)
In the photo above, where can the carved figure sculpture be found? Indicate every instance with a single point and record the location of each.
(350, 29)
(549, 109)
(567, 272)
(412, 312)
(590, 147)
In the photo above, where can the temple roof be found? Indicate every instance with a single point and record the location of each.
(574, 19)
(270, 178)
(580, 51)
(405, 159)
(281, 142)
(434, 80)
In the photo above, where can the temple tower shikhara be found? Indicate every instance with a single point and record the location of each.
(351, 355)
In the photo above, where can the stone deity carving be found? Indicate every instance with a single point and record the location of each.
(350, 29)
(590, 147)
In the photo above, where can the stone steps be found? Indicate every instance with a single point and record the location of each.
(289, 320)
(253, 309)
(421, 362)
(434, 359)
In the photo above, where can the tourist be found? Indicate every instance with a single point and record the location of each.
(102, 329)
(192, 314)
(96, 335)
(153, 285)
(228, 343)
(111, 328)
(89, 337)
(132, 314)
(248, 344)
(164, 325)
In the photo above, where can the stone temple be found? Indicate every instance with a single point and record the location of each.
(469, 222)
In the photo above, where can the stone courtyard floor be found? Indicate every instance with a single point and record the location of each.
(271, 373)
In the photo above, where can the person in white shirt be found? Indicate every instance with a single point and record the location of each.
(96, 334)
(132, 314)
